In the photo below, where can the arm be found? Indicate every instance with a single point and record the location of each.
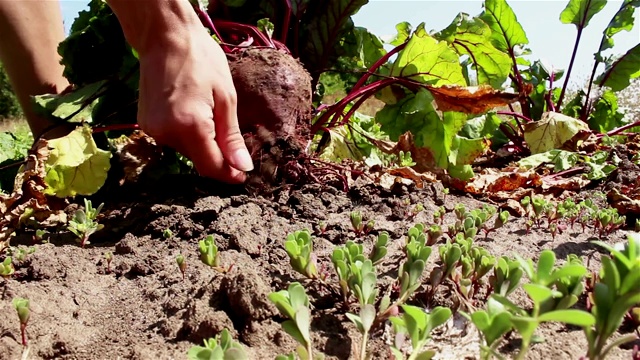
(30, 32)
(187, 97)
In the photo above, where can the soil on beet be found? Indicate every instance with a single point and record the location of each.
(139, 306)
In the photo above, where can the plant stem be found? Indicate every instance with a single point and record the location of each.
(363, 345)
(573, 58)
(23, 333)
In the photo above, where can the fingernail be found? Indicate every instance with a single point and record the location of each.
(242, 160)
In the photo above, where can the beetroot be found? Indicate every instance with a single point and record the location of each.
(274, 90)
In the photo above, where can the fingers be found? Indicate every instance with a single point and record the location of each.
(228, 137)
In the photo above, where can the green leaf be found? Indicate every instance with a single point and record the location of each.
(428, 60)
(291, 328)
(537, 293)
(622, 20)
(580, 12)
(303, 322)
(617, 75)
(472, 37)
(76, 166)
(403, 32)
(367, 316)
(75, 107)
(561, 159)
(507, 33)
(573, 317)
(605, 115)
(465, 151)
(552, 132)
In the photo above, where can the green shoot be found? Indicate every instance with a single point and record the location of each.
(418, 324)
(356, 222)
(83, 223)
(167, 234)
(22, 307)
(223, 346)
(209, 254)
(379, 248)
(299, 247)
(108, 257)
(6, 267)
(293, 304)
(182, 264)
(493, 324)
(356, 274)
(363, 322)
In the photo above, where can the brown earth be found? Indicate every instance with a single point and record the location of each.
(139, 307)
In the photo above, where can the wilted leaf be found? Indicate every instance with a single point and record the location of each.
(76, 166)
(470, 100)
(418, 178)
(625, 204)
(561, 159)
(136, 153)
(493, 181)
(553, 131)
(573, 183)
(28, 197)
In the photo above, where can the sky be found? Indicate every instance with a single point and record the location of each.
(549, 39)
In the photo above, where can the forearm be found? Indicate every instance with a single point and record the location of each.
(150, 23)
(30, 32)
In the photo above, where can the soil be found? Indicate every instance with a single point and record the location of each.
(140, 307)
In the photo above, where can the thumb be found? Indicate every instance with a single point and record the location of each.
(228, 134)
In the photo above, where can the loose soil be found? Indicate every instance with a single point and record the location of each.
(139, 307)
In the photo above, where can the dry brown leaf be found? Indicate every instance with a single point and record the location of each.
(409, 173)
(136, 152)
(471, 100)
(493, 181)
(624, 203)
(573, 183)
(28, 198)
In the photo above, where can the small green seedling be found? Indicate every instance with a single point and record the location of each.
(418, 324)
(322, 226)
(84, 224)
(493, 323)
(379, 250)
(552, 291)
(22, 307)
(614, 294)
(499, 222)
(438, 215)
(221, 347)
(356, 222)
(363, 322)
(506, 276)
(434, 233)
(293, 304)
(182, 264)
(299, 247)
(167, 234)
(6, 268)
(39, 236)
(410, 273)
(108, 257)
(209, 254)
(356, 273)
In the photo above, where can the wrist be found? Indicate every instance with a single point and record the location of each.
(155, 23)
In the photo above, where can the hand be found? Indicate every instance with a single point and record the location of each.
(188, 102)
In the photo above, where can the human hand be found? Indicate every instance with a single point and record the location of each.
(188, 101)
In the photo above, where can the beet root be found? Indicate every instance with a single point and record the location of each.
(274, 91)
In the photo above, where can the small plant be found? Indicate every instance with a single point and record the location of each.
(22, 307)
(438, 215)
(364, 320)
(39, 236)
(222, 346)
(322, 226)
(616, 291)
(356, 222)
(499, 222)
(411, 270)
(182, 264)
(293, 304)
(167, 234)
(356, 274)
(299, 247)
(493, 323)
(418, 324)
(6, 268)
(84, 223)
(209, 254)
(108, 256)
(379, 250)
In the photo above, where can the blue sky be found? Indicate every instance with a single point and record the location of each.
(549, 39)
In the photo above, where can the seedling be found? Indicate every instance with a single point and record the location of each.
(356, 273)
(222, 346)
(322, 226)
(616, 291)
(108, 256)
(84, 223)
(182, 264)
(493, 323)
(299, 247)
(607, 221)
(418, 324)
(6, 267)
(293, 304)
(356, 222)
(22, 307)
(38, 236)
(410, 273)
(209, 254)
(499, 222)
(552, 291)
(417, 209)
(434, 233)
(379, 250)
(506, 276)
(363, 323)
(438, 215)
(167, 234)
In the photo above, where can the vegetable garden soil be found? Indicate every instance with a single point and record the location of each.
(140, 307)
